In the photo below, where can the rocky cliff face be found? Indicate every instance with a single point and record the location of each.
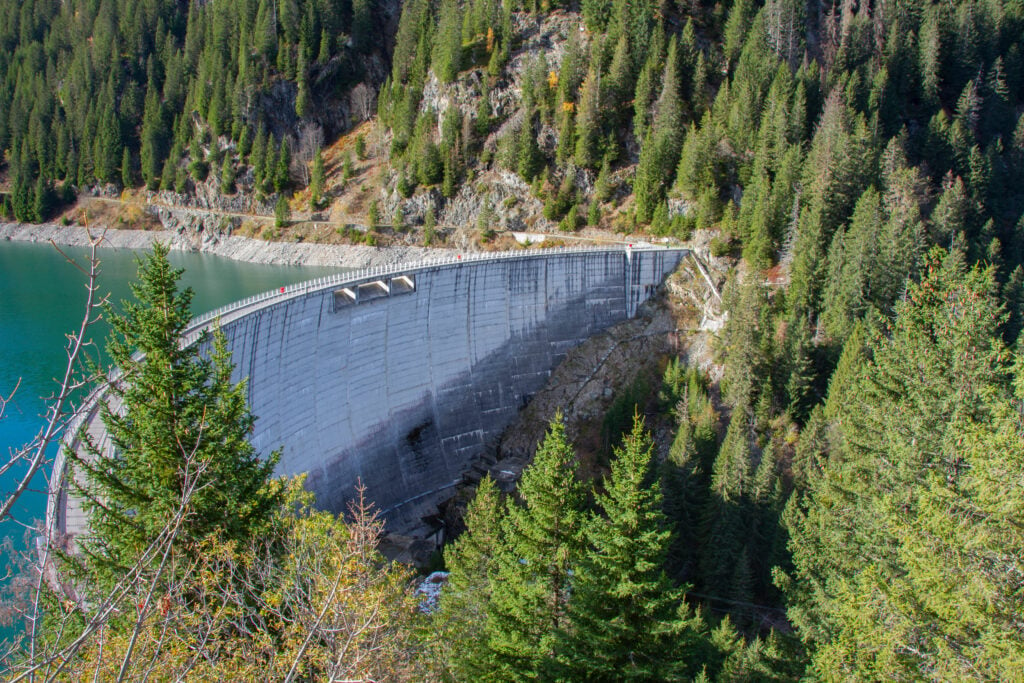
(343, 89)
(502, 194)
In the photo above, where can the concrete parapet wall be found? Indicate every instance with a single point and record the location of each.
(401, 379)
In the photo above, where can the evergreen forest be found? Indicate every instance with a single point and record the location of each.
(843, 499)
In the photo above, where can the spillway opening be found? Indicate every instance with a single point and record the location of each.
(372, 290)
(403, 284)
(344, 297)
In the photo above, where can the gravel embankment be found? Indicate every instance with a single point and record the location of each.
(233, 247)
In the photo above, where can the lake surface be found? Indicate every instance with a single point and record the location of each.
(42, 299)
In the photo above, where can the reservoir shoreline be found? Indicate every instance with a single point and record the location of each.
(232, 247)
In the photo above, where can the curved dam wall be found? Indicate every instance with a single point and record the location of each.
(400, 379)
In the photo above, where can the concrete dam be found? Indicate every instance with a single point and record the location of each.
(401, 377)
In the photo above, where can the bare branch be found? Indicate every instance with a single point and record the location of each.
(57, 413)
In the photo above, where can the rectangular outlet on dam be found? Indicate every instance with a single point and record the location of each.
(369, 291)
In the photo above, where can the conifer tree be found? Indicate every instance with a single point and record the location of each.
(127, 176)
(662, 145)
(472, 562)
(302, 100)
(362, 24)
(872, 536)
(620, 79)
(198, 167)
(227, 175)
(282, 176)
(627, 621)
(596, 13)
(642, 96)
(182, 426)
(543, 533)
(528, 155)
(316, 180)
(447, 53)
(429, 227)
(258, 157)
(282, 212)
(152, 135)
(588, 130)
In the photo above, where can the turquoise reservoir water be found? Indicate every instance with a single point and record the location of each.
(41, 300)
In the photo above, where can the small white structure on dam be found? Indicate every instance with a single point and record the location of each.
(401, 377)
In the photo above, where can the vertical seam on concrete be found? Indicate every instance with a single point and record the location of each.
(318, 415)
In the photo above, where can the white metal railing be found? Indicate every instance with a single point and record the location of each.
(202, 322)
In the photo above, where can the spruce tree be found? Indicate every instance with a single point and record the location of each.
(153, 138)
(882, 538)
(316, 181)
(227, 175)
(528, 154)
(626, 620)
(588, 129)
(472, 562)
(447, 54)
(282, 176)
(127, 176)
(530, 591)
(179, 436)
(661, 148)
(362, 24)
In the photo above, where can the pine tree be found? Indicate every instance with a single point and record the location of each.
(642, 96)
(528, 155)
(151, 153)
(107, 149)
(661, 148)
(179, 437)
(258, 157)
(302, 100)
(929, 45)
(43, 199)
(429, 224)
(620, 79)
(282, 212)
(736, 27)
(627, 621)
(198, 167)
(127, 175)
(596, 14)
(362, 24)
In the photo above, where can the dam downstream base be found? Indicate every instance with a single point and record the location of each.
(401, 379)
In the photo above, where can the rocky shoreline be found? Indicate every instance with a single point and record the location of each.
(226, 246)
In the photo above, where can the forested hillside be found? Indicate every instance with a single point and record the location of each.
(866, 377)
(164, 92)
(845, 503)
